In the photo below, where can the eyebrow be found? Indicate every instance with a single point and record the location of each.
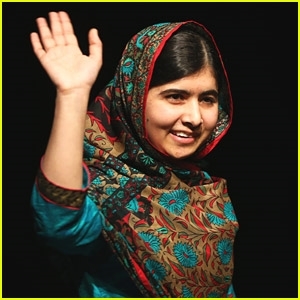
(187, 93)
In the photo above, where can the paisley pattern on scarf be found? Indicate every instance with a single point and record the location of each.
(172, 227)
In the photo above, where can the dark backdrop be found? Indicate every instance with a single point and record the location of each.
(258, 156)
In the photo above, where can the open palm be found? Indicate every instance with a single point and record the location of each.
(58, 51)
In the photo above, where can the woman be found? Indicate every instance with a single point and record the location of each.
(140, 201)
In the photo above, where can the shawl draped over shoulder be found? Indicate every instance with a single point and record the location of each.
(171, 225)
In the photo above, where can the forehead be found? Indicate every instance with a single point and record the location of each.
(200, 81)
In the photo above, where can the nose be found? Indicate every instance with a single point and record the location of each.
(192, 116)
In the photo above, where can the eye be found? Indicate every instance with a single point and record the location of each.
(209, 100)
(175, 97)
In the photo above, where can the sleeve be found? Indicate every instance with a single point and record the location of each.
(65, 219)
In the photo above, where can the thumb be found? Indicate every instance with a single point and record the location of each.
(95, 45)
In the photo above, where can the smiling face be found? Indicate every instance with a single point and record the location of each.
(181, 114)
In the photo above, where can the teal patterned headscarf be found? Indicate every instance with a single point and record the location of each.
(170, 223)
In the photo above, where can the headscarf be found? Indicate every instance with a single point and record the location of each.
(171, 225)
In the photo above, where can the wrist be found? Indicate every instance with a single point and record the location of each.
(74, 92)
(75, 100)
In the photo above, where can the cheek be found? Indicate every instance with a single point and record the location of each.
(210, 120)
(159, 117)
(152, 123)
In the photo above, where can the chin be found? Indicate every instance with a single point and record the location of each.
(180, 156)
(176, 155)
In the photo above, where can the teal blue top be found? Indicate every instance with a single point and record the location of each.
(77, 232)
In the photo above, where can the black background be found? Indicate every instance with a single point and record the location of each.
(258, 156)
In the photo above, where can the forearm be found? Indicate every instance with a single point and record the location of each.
(62, 162)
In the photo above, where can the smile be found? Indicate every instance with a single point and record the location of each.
(183, 134)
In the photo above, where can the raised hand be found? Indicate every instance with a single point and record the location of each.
(73, 74)
(58, 51)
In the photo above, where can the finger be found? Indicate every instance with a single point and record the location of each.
(45, 33)
(36, 45)
(95, 45)
(57, 28)
(67, 28)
